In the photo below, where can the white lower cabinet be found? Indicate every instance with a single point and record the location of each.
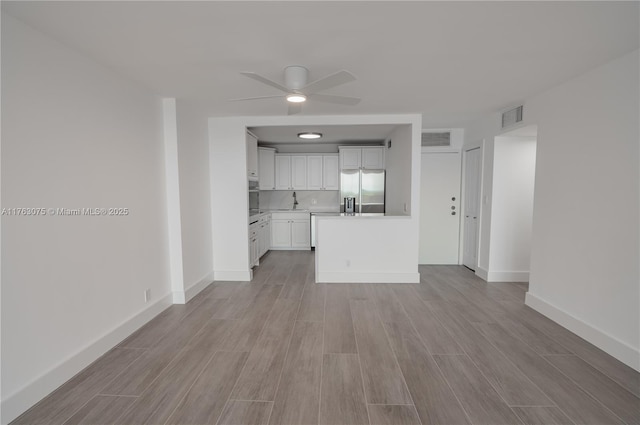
(291, 230)
(259, 239)
(253, 245)
(264, 237)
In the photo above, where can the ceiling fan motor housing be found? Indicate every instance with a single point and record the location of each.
(295, 77)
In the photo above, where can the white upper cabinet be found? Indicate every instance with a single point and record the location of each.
(306, 172)
(299, 172)
(291, 172)
(252, 156)
(373, 158)
(283, 172)
(369, 158)
(323, 172)
(330, 172)
(314, 172)
(350, 158)
(266, 167)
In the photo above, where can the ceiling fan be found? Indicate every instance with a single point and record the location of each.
(297, 91)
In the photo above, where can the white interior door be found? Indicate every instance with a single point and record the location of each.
(439, 208)
(471, 208)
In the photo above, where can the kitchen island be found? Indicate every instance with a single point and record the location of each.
(366, 247)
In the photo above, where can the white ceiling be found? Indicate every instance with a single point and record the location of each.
(450, 61)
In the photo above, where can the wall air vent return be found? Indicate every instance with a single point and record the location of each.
(436, 139)
(512, 116)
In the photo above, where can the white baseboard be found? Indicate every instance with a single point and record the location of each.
(611, 345)
(363, 277)
(502, 276)
(482, 273)
(508, 276)
(233, 275)
(18, 402)
(183, 297)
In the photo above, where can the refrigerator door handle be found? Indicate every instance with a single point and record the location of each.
(359, 206)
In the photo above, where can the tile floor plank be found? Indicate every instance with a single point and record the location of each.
(206, 399)
(140, 374)
(339, 336)
(71, 396)
(481, 402)
(259, 379)
(383, 380)
(541, 415)
(613, 368)
(381, 414)
(434, 400)
(246, 413)
(511, 383)
(158, 401)
(574, 402)
(342, 399)
(599, 386)
(433, 334)
(298, 397)
(312, 303)
(101, 409)
(387, 304)
(294, 285)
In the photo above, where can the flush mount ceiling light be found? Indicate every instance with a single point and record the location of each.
(309, 135)
(296, 98)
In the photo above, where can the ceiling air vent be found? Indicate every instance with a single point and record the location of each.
(436, 139)
(512, 116)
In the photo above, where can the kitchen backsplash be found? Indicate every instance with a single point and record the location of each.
(325, 200)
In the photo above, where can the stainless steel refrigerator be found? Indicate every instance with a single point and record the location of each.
(367, 186)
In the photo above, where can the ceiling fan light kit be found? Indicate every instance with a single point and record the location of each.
(297, 90)
(296, 98)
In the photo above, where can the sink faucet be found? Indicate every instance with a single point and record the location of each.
(295, 201)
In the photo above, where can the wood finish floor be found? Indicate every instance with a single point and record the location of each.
(285, 350)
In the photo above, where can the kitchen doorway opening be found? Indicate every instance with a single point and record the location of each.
(511, 202)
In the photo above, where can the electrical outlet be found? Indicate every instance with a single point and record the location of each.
(147, 295)
(348, 263)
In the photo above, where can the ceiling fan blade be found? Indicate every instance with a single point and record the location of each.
(333, 80)
(253, 98)
(266, 81)
(341, 100)
(294, 108)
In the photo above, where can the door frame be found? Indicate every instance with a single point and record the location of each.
(463, 199)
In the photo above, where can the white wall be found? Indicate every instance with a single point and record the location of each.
(486, 201)
(195, 197)
(514, 164)
(172, 193)
(585, 249)
(229, 199)
(74, 135)
(399, 172)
